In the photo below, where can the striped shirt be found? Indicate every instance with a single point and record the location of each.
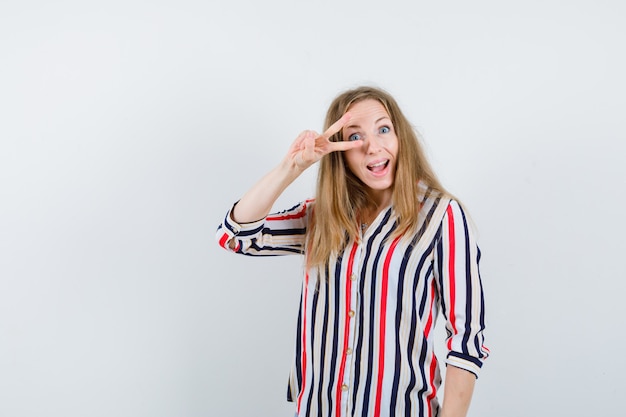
(364, 344)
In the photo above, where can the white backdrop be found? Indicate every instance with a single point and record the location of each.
(128, 128)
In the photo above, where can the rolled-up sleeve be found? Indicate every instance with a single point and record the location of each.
(281, 233)
(457, 259)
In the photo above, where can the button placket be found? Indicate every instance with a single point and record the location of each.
(349, 363)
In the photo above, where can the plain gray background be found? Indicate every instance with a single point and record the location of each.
(129, 127)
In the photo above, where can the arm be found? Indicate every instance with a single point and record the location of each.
(462, 303)
(244, 229)
(457, 393)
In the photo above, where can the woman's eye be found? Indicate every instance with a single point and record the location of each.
(354, 136)
(384, 129)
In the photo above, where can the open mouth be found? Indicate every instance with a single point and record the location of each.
(378, 166)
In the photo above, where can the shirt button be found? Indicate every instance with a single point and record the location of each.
(351, 313)
(344, 387)
(352, 277)
(349, 351)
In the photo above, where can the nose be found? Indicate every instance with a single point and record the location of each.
(373, 144)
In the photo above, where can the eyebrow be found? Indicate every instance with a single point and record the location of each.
(377, 120)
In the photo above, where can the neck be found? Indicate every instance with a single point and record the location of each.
(369, 213)
(379, 199)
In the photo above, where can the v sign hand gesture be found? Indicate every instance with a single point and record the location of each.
(309, 147)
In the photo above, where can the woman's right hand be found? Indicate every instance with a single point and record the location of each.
(309, 147)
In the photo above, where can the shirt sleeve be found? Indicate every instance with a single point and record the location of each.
(280, 233)
(457, 259)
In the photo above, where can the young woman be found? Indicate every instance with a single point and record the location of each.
(387, 249)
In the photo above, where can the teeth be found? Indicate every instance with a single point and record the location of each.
(379, 164)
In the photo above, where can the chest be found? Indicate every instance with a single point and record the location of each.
(375, 270)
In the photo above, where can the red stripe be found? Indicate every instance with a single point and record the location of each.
(223, 240)
(346, 330)
(429, 399)
(451, 255)
(383, 323)
(297, 215)
(303, 361)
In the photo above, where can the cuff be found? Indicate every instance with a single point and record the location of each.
(465, 362)
(242, 229)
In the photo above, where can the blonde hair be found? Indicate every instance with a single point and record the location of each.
(341, 195)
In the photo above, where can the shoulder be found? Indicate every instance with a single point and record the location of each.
(432, 201)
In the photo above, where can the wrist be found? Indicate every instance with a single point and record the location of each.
(290, 169)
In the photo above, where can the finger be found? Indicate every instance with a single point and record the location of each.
(337, 126)
(305, 154)
(344, 145)
(301, 137)
(308, 144)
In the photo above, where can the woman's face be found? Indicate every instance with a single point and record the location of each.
(374, 162)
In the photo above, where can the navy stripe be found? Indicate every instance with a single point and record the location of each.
(325, 324)
(475, 361)
(251, 232)
(468, 286)
(335, 344)
(297, 365)
(286, 232)
(269, 251)
(311, 352)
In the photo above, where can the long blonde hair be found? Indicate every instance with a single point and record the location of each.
(340, 195)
